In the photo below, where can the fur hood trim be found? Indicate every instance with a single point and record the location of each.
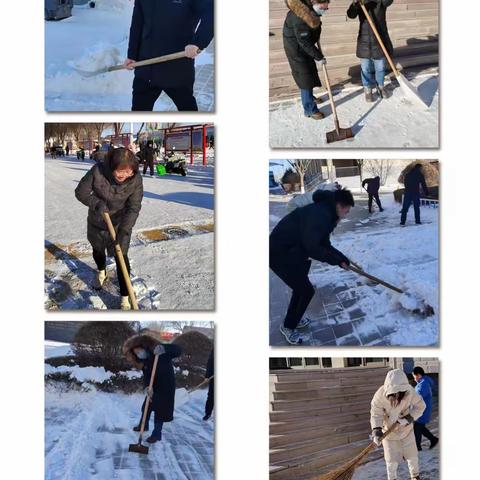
(145, 341)
(303, 11)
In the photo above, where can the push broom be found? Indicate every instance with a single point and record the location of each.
(407, 86)
(138, 447)
(121, 261)
(346, 471)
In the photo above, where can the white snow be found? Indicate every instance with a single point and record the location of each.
(57, 349)
(89, 40)
(87, 435)
(81, 374)
(392, 123)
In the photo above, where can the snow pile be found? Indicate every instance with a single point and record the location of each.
(57, 349)
(81, 374)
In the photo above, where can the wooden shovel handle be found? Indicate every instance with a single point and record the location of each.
(379, 39)
(374, 279)
(200, 385)
(150, 61)
(121, 261)
(147, 400)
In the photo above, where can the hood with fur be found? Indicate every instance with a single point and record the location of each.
(396, 381)
(145, 341)
(303, 10)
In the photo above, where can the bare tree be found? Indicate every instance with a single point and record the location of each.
(117, 129)
(379, 168)
(301, 167)
(99, 128)
(360, 164)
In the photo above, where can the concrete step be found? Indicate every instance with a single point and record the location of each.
(299, 375)
(320, 393)
(324, 382)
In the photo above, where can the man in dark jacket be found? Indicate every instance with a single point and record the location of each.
(141, 351)
(302, 235)
(301, 41)
(211, 388)
(424, 388)
(373, 186)
(113, 186)
(373, 61)
(161, 27)
(149, 158)
(413, 179)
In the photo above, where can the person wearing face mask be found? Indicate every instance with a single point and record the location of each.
(369, 51)
(140, 351)
(397, 402)
(113, 186)
(300, 236)
(301, 41)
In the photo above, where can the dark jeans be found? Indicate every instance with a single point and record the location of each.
(158, 425)
(408, 199)
(146, 165)
(210, 398)
(101, 262)
(420, 429)
(372, 196)
(145, 95)
(302, 291)
(308, 102)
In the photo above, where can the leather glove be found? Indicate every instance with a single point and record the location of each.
(377, 435)
(159, 350)
(406, 420)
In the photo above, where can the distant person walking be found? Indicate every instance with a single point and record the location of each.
(424, 388)
(373, 187)
(149, 158)
(413, 180)
(211, 387)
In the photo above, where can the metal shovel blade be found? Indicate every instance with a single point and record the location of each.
(410, 90)
(338, 136)
(87, 74)
(138, 448)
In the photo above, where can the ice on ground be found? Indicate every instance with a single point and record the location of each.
(87, 435)
(394, 123)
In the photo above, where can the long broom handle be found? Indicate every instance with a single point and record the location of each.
(150, 61)
(147, 400)
(200, 385)
(121, 260)
(374, 279)
(379, 39)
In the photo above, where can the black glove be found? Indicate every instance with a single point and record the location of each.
(123, 239)
(341, 258)
(101, 207)
(377, 435)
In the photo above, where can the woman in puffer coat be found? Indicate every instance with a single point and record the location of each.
(397, 402)
(113, 186)
(140, 351)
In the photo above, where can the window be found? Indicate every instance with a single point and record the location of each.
(311, 361)
(327, 362)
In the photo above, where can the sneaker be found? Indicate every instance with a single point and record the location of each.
(368, 94)
(99, 280)
(384, 93)
(291, 336)
(316, 116)
(304, 322)
(125, 303)
(434, 443)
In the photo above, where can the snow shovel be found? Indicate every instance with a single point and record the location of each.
(184, 394)
(425, 311)
(138, 447)
(346, 471)
(339, 133)
(121, 261)
(406, 85)
(141, 63)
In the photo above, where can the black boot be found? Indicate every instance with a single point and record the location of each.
(434, 442)
(368, 94)
(384, 93)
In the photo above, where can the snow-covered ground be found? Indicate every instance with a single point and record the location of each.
(350, 310)
(87, 435)
(96, 38)
(172, 270)
(394, 123)
(57, 349)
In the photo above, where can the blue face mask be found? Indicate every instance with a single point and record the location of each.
(142, 354)
(318, 10)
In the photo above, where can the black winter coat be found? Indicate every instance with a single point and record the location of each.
(124, 201)
(367, 44)
(305, 233)
(160, 27)
(163, 400)
(373, 185)
(413, 179)
(210, 365)
(301, 33)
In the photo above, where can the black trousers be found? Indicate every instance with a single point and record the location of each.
(210, 398)
(372, 196)
(145, 95)
(420, 429)
(302, 289)
(148, 163)
(101, 262)
(408, 199)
